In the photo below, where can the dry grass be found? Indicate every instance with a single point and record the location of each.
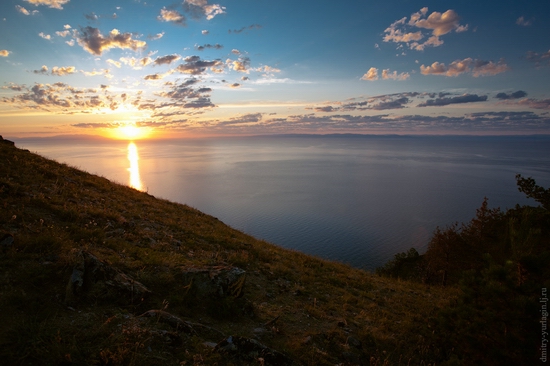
(315, 310)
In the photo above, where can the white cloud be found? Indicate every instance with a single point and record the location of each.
(45, 36)
(55, 4)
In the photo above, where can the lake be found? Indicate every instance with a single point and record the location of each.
(350, 198)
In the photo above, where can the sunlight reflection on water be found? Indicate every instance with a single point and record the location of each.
(133, 157)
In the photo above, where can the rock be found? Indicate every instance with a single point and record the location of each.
(251, 350)
(6, 241)
(91, 272)
(215, 281)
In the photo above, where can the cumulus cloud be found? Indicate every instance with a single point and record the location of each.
(166, 60)
(372, 74)
(468, 65)
(240, 65)
(62, 71)
(515, 95)
(55, 4)
(64, 33)
(45, 36)
(466, 98)
(410, 34)
(205, 32)
(4, 53)
(95, 43)
(195, 66)
(172, 16)
(43, 70)
(202, 7)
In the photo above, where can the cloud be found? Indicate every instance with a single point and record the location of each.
(166, 60)
(539, 58)
(466, 98)
(205, 32)
(533, 103)
(45, 36)
(250, 27)
(240, 65)
(4, 53)
(64, 33)
(62, 71)
(43, 70)
(172, 16)
(156, 36)
(393, 104)
(24, 11)
(468, 65)
(195, 66)
(524, 22)
(372, 74)
(54, 4)
(116, 64)
(202, 7)
(95, 43)
(92, 17)
(515, 95)
(136, 63)
(216, 46)
(410, 34)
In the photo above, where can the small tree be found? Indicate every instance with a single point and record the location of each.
(532, 190)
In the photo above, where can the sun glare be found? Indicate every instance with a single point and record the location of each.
(130, 132)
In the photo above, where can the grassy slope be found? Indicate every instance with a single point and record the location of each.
(53, 210)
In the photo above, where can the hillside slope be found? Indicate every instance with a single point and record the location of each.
(93, 272)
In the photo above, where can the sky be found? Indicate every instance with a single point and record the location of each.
(155, 69)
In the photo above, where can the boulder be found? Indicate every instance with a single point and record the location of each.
(215, 281)
(91, 272)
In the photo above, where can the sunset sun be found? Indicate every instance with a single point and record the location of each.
(130, 132)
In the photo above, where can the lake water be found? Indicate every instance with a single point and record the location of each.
(354, 199)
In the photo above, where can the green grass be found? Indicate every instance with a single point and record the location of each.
(54, 211)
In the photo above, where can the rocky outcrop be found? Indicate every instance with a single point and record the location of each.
(91, 273)
(214, 281)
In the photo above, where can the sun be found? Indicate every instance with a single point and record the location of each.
(130, 132)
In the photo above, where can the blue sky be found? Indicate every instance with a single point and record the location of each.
(206, 67)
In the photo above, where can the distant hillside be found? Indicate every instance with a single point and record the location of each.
(96, 273)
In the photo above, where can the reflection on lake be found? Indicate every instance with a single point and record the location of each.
(133, 157)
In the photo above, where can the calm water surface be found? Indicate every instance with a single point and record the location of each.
(354, 199)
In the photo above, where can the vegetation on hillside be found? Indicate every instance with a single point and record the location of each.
(499, 261)
(96, 273)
